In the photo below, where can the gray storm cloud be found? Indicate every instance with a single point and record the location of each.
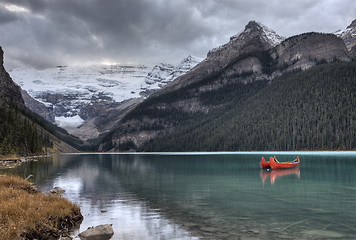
(46, 33)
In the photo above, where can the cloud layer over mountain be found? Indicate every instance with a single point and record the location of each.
(43, 33)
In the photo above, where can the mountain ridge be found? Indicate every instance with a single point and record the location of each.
(348, 35)
(22, 131)
(8, 89)
(251, 59)
(219, 57)
(269, 36)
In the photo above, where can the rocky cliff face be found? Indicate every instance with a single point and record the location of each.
(8, 89)
(305, 50)
(255, 37)
(255, 54)
(349, 37)
(38, 107)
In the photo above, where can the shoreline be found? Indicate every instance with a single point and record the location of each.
(219, 152)
(10, 161)
(31, 214)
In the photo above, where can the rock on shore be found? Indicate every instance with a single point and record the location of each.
(101, 232)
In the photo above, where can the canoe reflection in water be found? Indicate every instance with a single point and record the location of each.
(274, 174)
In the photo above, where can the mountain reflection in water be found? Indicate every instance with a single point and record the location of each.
(213, 196)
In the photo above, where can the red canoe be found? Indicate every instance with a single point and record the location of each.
(274, 164)
(264, 164)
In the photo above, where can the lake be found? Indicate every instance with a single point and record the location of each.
(206, 195)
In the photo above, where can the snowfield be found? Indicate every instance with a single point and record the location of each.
(80, 86)
(118, 82)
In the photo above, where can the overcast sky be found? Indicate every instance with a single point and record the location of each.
(47, 33)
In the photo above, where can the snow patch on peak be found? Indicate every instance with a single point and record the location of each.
(189, 62)
(160, 73)
(353, 24)
(349, 31)
(271, 36)
(251, 30)
(348, 35)
(267, 33)
(164, 73)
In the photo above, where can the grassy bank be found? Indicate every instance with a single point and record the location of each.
(9, 158)
(26, 213)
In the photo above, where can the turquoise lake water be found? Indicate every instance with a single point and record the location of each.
(208, 196)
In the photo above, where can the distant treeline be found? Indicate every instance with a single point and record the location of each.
(306, 110)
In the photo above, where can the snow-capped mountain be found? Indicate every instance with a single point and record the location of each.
(73, 92)
(256, 37)
(252, 29)
(349, 37)
(164, 73)
(250, 56)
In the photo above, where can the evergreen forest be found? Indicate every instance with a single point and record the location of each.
(18, 134)
(304, 110)
(25, 133)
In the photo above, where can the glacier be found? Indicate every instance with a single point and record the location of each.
(70, 89)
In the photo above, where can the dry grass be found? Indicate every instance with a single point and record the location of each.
(28, 213)
(9, 158)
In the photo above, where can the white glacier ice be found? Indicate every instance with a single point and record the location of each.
(78, 86)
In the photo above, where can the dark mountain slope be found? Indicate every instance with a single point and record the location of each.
(309, 110)
(22, 131)
(248, 58)
(9, 91)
